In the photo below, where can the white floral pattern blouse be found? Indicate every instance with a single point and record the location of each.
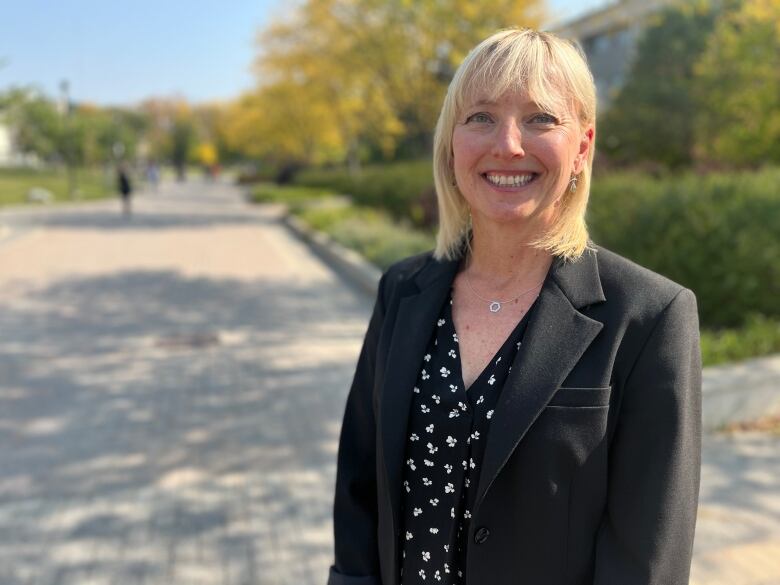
(445, 443)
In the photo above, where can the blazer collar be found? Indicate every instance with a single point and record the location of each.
(435, 270)
(578, 280)
(556, 337)
(555, 340)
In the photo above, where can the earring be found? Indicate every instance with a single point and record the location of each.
(573, 183)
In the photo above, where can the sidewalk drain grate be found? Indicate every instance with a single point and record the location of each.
(188, 341)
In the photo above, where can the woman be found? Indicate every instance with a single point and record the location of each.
(526, 406)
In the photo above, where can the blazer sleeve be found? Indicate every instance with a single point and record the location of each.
(646, 534)
(355, 504)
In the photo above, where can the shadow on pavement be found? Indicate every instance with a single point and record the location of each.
(127, 460)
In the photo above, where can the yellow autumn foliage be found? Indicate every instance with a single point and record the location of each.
(342, 78)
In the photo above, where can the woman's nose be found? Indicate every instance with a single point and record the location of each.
(509, 141)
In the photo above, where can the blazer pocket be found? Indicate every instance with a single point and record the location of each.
(569, 397)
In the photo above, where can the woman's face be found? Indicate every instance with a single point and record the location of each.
(513, 160)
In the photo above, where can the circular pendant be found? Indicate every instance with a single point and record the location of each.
(495, 307)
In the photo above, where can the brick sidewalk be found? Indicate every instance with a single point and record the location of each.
(738, 527)
(170, 396)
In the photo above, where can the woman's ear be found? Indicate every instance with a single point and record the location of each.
(585, 145)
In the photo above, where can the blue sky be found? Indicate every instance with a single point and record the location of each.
(121, 52)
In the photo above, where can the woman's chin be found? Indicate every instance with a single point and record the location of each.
(501, 215)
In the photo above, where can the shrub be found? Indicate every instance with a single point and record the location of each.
(670, 224)
(371, 233)
(759, 336)
(716, 234)
(294, 197)
(404, 190)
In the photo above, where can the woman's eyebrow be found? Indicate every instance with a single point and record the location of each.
(488, 102)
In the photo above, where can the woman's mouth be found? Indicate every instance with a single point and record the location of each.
(509, 181)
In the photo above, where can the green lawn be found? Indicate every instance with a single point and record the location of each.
(15, 183)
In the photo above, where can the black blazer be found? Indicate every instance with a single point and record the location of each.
(591, 468)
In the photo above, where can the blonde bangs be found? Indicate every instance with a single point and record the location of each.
(542, 66)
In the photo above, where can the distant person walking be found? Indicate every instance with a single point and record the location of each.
(153, 175)
(125, 188)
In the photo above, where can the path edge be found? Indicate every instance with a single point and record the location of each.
(357, 270)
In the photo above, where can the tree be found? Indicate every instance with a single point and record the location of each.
(42, 130)
(210, 124)
(284, 125)
(182, 142)
(363, 76)
(36, 122)
(652, 117)
(316, 64)
(738, 87)
(206, 154)
(83, 134)
(172, 133)
(118, 130)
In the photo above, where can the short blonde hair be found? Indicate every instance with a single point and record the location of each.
(554, 73)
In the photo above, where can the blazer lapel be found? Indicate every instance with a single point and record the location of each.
(556, 338)
(414, 325)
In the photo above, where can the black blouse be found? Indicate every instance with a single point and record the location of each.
(447, 431)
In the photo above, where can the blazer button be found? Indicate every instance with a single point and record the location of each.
(481, 535)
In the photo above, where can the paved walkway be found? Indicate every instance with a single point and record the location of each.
(738, 527)
(171, 389)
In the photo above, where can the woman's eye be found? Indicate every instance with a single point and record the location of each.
(544, 118)
(479, 117)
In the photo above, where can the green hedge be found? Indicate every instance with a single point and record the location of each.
(758, 336)
(404, 190)
(618, 203)
(293, 197)
(717, 234)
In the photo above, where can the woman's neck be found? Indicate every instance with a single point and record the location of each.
(502, 259)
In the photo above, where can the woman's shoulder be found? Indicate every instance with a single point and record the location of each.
(634, 286)
(409, 267)
(619, 270)
(414, 271)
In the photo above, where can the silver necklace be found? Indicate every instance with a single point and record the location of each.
(494, 306)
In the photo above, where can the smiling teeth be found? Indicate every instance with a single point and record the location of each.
(509, 180)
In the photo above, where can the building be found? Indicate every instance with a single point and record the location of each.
(6, 146)
(609, 37)
(10, 156)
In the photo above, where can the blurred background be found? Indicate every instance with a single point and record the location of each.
(343, 96)
(157, 358)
